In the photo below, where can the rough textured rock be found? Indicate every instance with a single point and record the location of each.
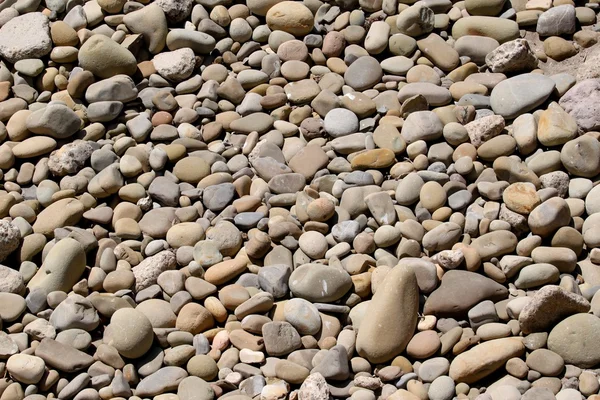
(146, 273)
(25, 36)
(581, 103)
(11, 281)
(550, 305)
(10, 238)
(70, 158)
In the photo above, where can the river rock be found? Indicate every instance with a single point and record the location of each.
(580, 101)
(10, 238)
(130, 332)
(25, 36)
(391, 317)
(484, 359)
(573, 339)
(520, 94)
(62, 267)
(104, 57)
(559, 20)
(442, 302)
(319, 283)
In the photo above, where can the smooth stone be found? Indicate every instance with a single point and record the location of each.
(151, 23)
(494, 244)
(117, 88)
(291, 17)
(381, 336)
(280, 338)
(484, 359)
(130, 332)
(62, 357)
(536, 275)
(93, 57)
(574, 340)
(164, 380)
(34, 147)
(503, 30)
(340, 122)
(434, 94)
(520, 94)
(62, 267)
(559, 20)
(475, 289)
(194, 388)
(12, 306)
(363, 73)
(549, 216)
(26, 368)
(319, 283)
(545, 362)
(54, 120)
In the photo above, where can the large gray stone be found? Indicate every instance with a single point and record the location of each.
(520, 94)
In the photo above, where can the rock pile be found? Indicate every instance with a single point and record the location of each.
(313, 200)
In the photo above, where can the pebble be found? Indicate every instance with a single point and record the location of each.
(484, 359)
(340, 122)
(291, 17)
(520, 94)
(25, 36)
(92, 57)
(394, 334)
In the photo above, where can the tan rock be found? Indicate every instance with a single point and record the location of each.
(484, 359)
(391, 317)
(290, 16)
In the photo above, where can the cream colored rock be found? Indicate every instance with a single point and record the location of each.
(62, 267)
(65, 212)
(484, 359)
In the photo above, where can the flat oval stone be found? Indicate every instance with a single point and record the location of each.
(474, 287)
(34, 147)
(398, 65)
(163, 380)
(495, 244)
(520, 94)
(484, 359)
(363, 73)
(500, 29)
(319, 283)
(434, 94)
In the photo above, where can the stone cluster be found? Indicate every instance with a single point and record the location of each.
(303, 200)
